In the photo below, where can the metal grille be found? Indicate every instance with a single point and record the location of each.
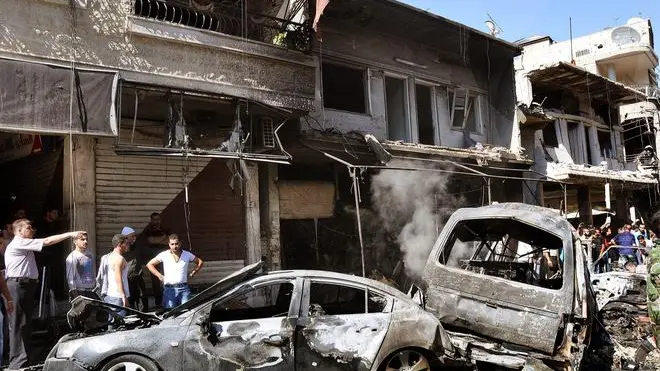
(230, 20)
(268, 134)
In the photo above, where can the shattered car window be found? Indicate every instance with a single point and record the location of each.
(331, 299)
(265, 301)
(507, 249)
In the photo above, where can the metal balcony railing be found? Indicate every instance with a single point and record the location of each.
(649, 90)
(230, 20)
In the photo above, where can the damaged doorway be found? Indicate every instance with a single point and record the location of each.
(33, 194)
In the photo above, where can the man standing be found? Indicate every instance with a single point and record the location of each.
(80, 269)
(118, 293)
(135, 259)
(626, 240)
(9, 303)
(50, 225)
(22, 277)
(175, 265)
(157, 241)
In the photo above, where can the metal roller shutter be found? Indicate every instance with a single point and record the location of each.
(130, 188)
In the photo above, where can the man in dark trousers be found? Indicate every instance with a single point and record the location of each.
(157, 241)
(135, 258)
(22, 275)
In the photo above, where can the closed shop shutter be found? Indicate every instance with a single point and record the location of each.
(130, 188)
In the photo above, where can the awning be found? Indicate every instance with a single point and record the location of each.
(52, 100)
(563, 76)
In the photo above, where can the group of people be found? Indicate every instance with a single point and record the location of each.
(627, 249)
(117, 281)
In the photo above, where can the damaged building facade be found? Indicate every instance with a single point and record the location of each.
(590, 120)
(149, 106)
(407, 125)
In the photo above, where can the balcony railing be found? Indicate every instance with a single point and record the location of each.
(649, 90)
(229, 20)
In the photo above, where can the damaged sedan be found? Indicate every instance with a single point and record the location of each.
(282, 320)
(511, 285)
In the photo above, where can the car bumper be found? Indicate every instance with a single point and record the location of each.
(57, 364)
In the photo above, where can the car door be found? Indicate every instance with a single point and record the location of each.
(250, 328)
(336, 330)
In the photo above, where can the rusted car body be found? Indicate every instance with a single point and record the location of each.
(283, 320)
(510, 286)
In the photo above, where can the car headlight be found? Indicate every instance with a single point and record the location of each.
(67, 348)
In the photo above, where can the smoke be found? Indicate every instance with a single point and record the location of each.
(411, 205)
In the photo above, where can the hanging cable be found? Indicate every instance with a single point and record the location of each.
(72, 188)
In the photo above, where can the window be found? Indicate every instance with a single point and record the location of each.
(550, 135)
(344, 88)
(507, 249)
(262, 302)
(465, 113)
(397, 123)
(605, 143)
(332, 299)
(423, 95)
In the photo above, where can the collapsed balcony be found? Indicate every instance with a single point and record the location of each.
(281, 23)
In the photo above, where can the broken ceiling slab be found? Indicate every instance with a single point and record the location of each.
(534, 117)
(479, 154)
(581, 174)
(565, 76)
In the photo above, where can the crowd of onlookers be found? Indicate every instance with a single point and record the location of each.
(624, 248)
(32, 259)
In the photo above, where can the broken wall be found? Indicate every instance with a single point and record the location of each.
(104, 33)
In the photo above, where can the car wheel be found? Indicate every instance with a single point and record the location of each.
(130, 362)
(408, 360)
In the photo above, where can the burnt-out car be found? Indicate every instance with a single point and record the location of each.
(286, 320)
(511, 286)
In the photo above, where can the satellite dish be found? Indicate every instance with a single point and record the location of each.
(493, 28)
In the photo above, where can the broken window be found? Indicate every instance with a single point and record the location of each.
(397, 116)
(158, 120)
(344, 88)
(507, 249)
(550, 135)
(425, 127)
(465, 111)
(331, 299)
(605, 144)
(271, 300)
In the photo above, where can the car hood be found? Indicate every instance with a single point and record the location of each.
(89, 315)
(223, 285)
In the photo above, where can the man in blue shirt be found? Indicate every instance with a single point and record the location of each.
(626, 240)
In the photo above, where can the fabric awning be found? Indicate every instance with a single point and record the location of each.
(52, 100)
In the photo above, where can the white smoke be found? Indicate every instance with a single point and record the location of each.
(410, 205)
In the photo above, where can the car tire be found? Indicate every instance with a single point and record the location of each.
(408, 359)
(131, 362)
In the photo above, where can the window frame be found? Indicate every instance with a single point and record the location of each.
(306, 296)
(365, 86)
(247, 286)
(478, 101)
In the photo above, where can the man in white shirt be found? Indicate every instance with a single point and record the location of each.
(80, 269)
(117, 274)
(22, 275)
(175, 272)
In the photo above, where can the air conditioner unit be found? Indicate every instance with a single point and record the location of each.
(267, 132)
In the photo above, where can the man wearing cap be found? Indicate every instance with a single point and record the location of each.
(80, 269)
(175, 268)
(135, 260)
(22, 275)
